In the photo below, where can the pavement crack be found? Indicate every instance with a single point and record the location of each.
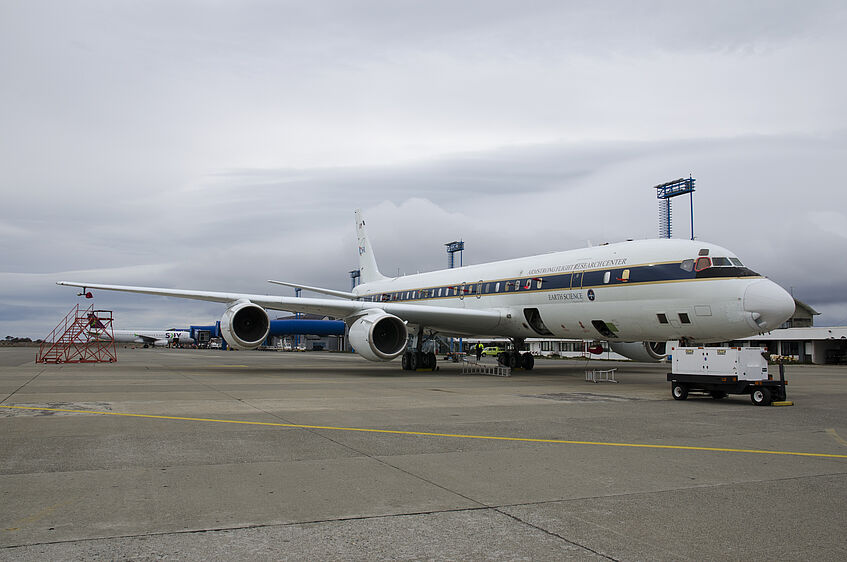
(35, 376)
(552, 534)
(359, 452)
(672, 490)
(248, 527)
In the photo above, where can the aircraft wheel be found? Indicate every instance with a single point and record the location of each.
(503, 359)
(514, 360)
(414, 361)
(431, 360)
(679, 391)
(761, 397)
(527, 361)
(405, 361)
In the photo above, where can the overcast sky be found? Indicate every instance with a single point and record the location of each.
(214, 145)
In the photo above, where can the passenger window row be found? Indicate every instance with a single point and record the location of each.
(575, 280)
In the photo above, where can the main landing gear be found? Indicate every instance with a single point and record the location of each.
(414, 360)
(515, 359)
(418, 359)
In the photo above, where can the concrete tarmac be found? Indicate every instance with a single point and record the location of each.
(266, 455)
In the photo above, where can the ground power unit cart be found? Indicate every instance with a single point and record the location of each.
(720, 371)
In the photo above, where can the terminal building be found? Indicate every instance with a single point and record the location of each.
(797, 340)
(819, 346)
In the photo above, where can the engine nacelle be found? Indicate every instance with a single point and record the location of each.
(645, 351)
(245, 325)
(378, 336)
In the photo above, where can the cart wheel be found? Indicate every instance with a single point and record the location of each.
(679, 391)
(718, 394)
(761, 397)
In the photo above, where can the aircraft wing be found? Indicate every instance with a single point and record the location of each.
(146, 339)
(342, 294)
(441, 318)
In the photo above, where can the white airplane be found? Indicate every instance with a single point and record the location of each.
(637, 295)
(152, 338)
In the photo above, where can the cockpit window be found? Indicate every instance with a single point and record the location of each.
(720, 266)
(702, 263)
(687, 265)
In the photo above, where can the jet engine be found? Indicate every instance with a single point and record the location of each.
(245, 325)
(378, 336)
(645, 351)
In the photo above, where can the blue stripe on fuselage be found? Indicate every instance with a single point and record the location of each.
(592, 279)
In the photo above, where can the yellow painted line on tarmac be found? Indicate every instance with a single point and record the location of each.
(36, 516)
(429, 434)
(836, 436)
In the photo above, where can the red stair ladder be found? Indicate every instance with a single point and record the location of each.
(84, 336)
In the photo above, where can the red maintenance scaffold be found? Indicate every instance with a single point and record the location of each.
(84, 336)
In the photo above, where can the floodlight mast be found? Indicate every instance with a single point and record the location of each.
(665, 192)
(452, 248)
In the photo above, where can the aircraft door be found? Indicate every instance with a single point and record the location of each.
(533, 317)
(576, 280)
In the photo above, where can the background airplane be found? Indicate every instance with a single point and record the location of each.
(153, 338)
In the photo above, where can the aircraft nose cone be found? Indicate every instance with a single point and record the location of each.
(769, 304)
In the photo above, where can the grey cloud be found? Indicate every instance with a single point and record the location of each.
(217, 145)
(604, 194)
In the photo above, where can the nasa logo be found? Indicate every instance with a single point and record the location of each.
(591, 294)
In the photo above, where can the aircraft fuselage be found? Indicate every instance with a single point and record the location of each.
(646, 290)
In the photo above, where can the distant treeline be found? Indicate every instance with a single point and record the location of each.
(11, 340)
